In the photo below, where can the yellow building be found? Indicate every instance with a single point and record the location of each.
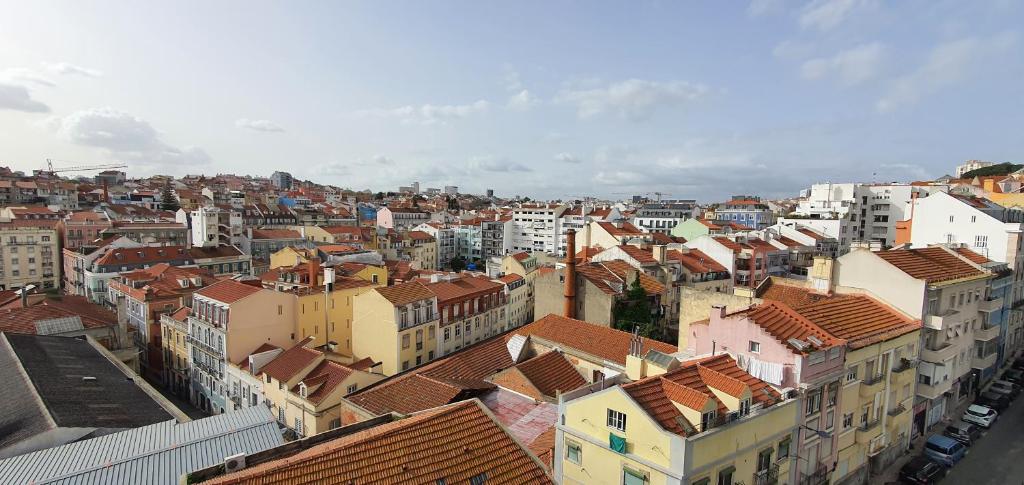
(472, 308)
(396, 326)
(29, 254)
(291, 256)
(703, 422)
(422, 250)
(520, 305)
(304, 388)
(173, 342)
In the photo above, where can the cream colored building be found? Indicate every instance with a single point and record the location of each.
(29, 254)
(396, 326)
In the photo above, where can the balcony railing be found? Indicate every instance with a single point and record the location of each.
(818, 477)
(943, 321)
(904, 365)
(935, 389)
(939, 354)
(987, 333)
(873, 379)
(896, 411)
(768, 476)
(990, 304)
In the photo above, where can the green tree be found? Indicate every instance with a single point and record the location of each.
(379, 196)
(457, 264)
(634, 310)
(168, 201)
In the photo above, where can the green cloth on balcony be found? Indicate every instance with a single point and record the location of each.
(616, 443)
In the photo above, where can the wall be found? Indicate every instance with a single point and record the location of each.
(374, 331)
(860, 268)
(264, 317)
(696, 305)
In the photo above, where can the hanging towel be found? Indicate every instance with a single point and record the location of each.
(617, 443)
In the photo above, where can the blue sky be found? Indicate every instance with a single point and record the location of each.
(547, 99)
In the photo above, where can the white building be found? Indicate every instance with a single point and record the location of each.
(662, 217)
(536, 228)
(215, 227)
(447, 246)
(970, 165)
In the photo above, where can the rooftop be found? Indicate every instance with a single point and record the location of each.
(405, 293)
(932, 264)
(228, 291)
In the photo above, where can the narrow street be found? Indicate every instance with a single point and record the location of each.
(998, 457)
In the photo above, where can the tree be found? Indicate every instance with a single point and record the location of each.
(634, 310)
(453, 204)
(416, 200)
(457, 264)
(168, 201)
(379, 196)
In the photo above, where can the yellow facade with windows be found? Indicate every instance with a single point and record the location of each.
(327, 317)
(290, 404)
(398, 335)
(175, 353)
(290, 256)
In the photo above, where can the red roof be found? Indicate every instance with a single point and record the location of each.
(695, 261)
(228, 291)
(783, 323)
(143, 255)
(626, 229)
(932, 264)
(288, 363)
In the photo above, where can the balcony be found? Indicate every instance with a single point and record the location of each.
(939, 354)
(990, 304)
(942, 321)
(868, 431)
(904, 365)
(896, 411)
(768, 476)
(871, 385)
(935, 389)
(987, 333)
(983, 362)
(818, 477)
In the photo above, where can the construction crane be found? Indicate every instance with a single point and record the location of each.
(81, 168)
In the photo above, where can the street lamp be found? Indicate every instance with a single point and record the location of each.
(821, 434)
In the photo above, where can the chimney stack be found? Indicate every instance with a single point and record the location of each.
(313, 268)
(570, 274)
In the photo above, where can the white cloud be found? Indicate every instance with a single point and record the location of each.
(761, 7)
(634, 99)
(567, 158)
(510, 76)
(259, 125)
(947, 64)
(620, 178)
(27, 75)
(18, 98)
(792, 50)
(554, 137)
(125, 137)
(490, 163)
(427, 114)
(522, 101)
(828, 14)
(71, 69)
(852, 66)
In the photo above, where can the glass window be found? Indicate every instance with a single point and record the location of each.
(617, 420)
(573, 452)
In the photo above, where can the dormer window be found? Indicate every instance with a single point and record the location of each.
(707, 420)
(302, 389)
(744, 407)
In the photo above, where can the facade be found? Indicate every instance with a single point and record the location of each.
(281, 180)
(662, 217)
(535, 228)
(175, 349)
(166, 233)
(471, 308)
(421, 249)
(29, 254)
(599, 287)
(520, 304)
(859, 212)
(261, 243)
(747, 211)
(83, 228)
(396, 326)
(401, 217)
(216, 226)
(970, 165)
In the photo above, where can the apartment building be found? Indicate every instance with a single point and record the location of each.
(117, 259)
(604, 234)
(520, 304)
(493, 234)
(749, 259)
(396, 326)
(174, 348)
(950, 295)
(401, 217)
(83, 228)
(599, 287)
(141, 297)
(662, 217)
(166, 233)
(228, 321)
(747, 211)
(261, 243)
(472, 308)
(447, 246)
(535, 228)
(421, 250)
(701, 421)
(29, 253)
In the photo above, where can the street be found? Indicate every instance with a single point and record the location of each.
(998, 457)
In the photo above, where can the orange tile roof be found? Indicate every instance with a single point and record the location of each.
(729, 385)
(686, 396)
(932, 264)
(606, 343)
(657, 398)
(792, 295)
(543, 447)
(973, 256)
(859, 319)
(228, 291)
(23, 319)
(709, 224)
(551, 374)
(405, 293)
(420, 236)
(521, 256)
(463, 287)
(328, 375)
(782, 322)
(510, 278)
(730, 244)
(642, 256)
(627, 229)
(610, 277)
(695, 261)
(450, 444)
(812, 233)
(288, 363)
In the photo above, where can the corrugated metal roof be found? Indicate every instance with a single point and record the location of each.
(155, 454)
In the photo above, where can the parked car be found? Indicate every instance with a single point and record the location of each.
(980, 415)
(1013, 389)
(1015, 376)
(1018, 364)
(994, 400)
(963, 432)
(921, 470)
(944, 450)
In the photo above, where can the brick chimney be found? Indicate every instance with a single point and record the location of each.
(313, 268)
(570, 274)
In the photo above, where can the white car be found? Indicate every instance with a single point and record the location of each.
(980, 415)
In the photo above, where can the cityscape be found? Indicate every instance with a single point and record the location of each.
(549, 273)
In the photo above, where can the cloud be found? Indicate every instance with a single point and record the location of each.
(901, 170)
(490, 163)
(427, 114)
(757, 8)
(27, 75)
(510, 77)
(554, 137)
(522, 101)
(125, 137)
(567, 158)
(852, 66)
(335, 169)
(71, 69)
(792, 50)
(825, 15)
(621, 178)
(18, 98)
(259, 125)
(633, 99)
(946, 65)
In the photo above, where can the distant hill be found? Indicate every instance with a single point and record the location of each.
(1005, 168)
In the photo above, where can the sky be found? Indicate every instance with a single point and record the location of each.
(547, 99)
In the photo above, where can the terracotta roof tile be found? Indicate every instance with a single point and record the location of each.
(859, 319)
(610, 277)
(712, 378)
(695, 261)
(973, 256)
(551, 374)
(288, 363)
(228, 291)
(642, 256)
(627, 229)
(782, 322)
(932, 264)
(405, 293)
(143, 255)
(463, 287)
(792, 295)
(521, 256)
(606, 343)
(452, 443)
(328, 375)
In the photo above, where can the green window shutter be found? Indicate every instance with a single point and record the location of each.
(616, 443)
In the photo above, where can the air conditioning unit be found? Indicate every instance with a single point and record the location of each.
(234, 463)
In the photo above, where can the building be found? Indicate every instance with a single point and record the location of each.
(304, 386)
(421, 249)
(174, 347)
(227, 322)
(222, 260)
(493, 234)
(166, 233)
(535, 228)
(396, 326)
(451, 189)
(281, 180)
(969, 166)
(65, 389)
(29, 253)
(747, 211)
(401, 217)
(111, 178)
(161, 452)
(381, 450)
(214, 227)
(605, 235)
(949, 294)
(83, 228)
(662, 217)
(696, 422)
(520, 303)
(471, 309)
(600, 286)
(143, 296)
(261, 243)
(114, 259)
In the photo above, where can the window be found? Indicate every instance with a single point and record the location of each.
(833, 392)
(851, 374)
(573, 452)
(784, 448)
(830, 419)
(764, 459)
(405, 365)
(352, 388)
(725, 476)
(298, 426)
(813, 401)
(405, 341)
(335, 423)
(980, 241)
(754, 347)
(707, 420)
(633, 477)
(448, 333)
(950, 218)
(617, 420)
(478, 479)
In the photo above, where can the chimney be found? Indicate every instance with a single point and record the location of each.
(570, 274)
(24, 297)
(313, 268)
(658, 251)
